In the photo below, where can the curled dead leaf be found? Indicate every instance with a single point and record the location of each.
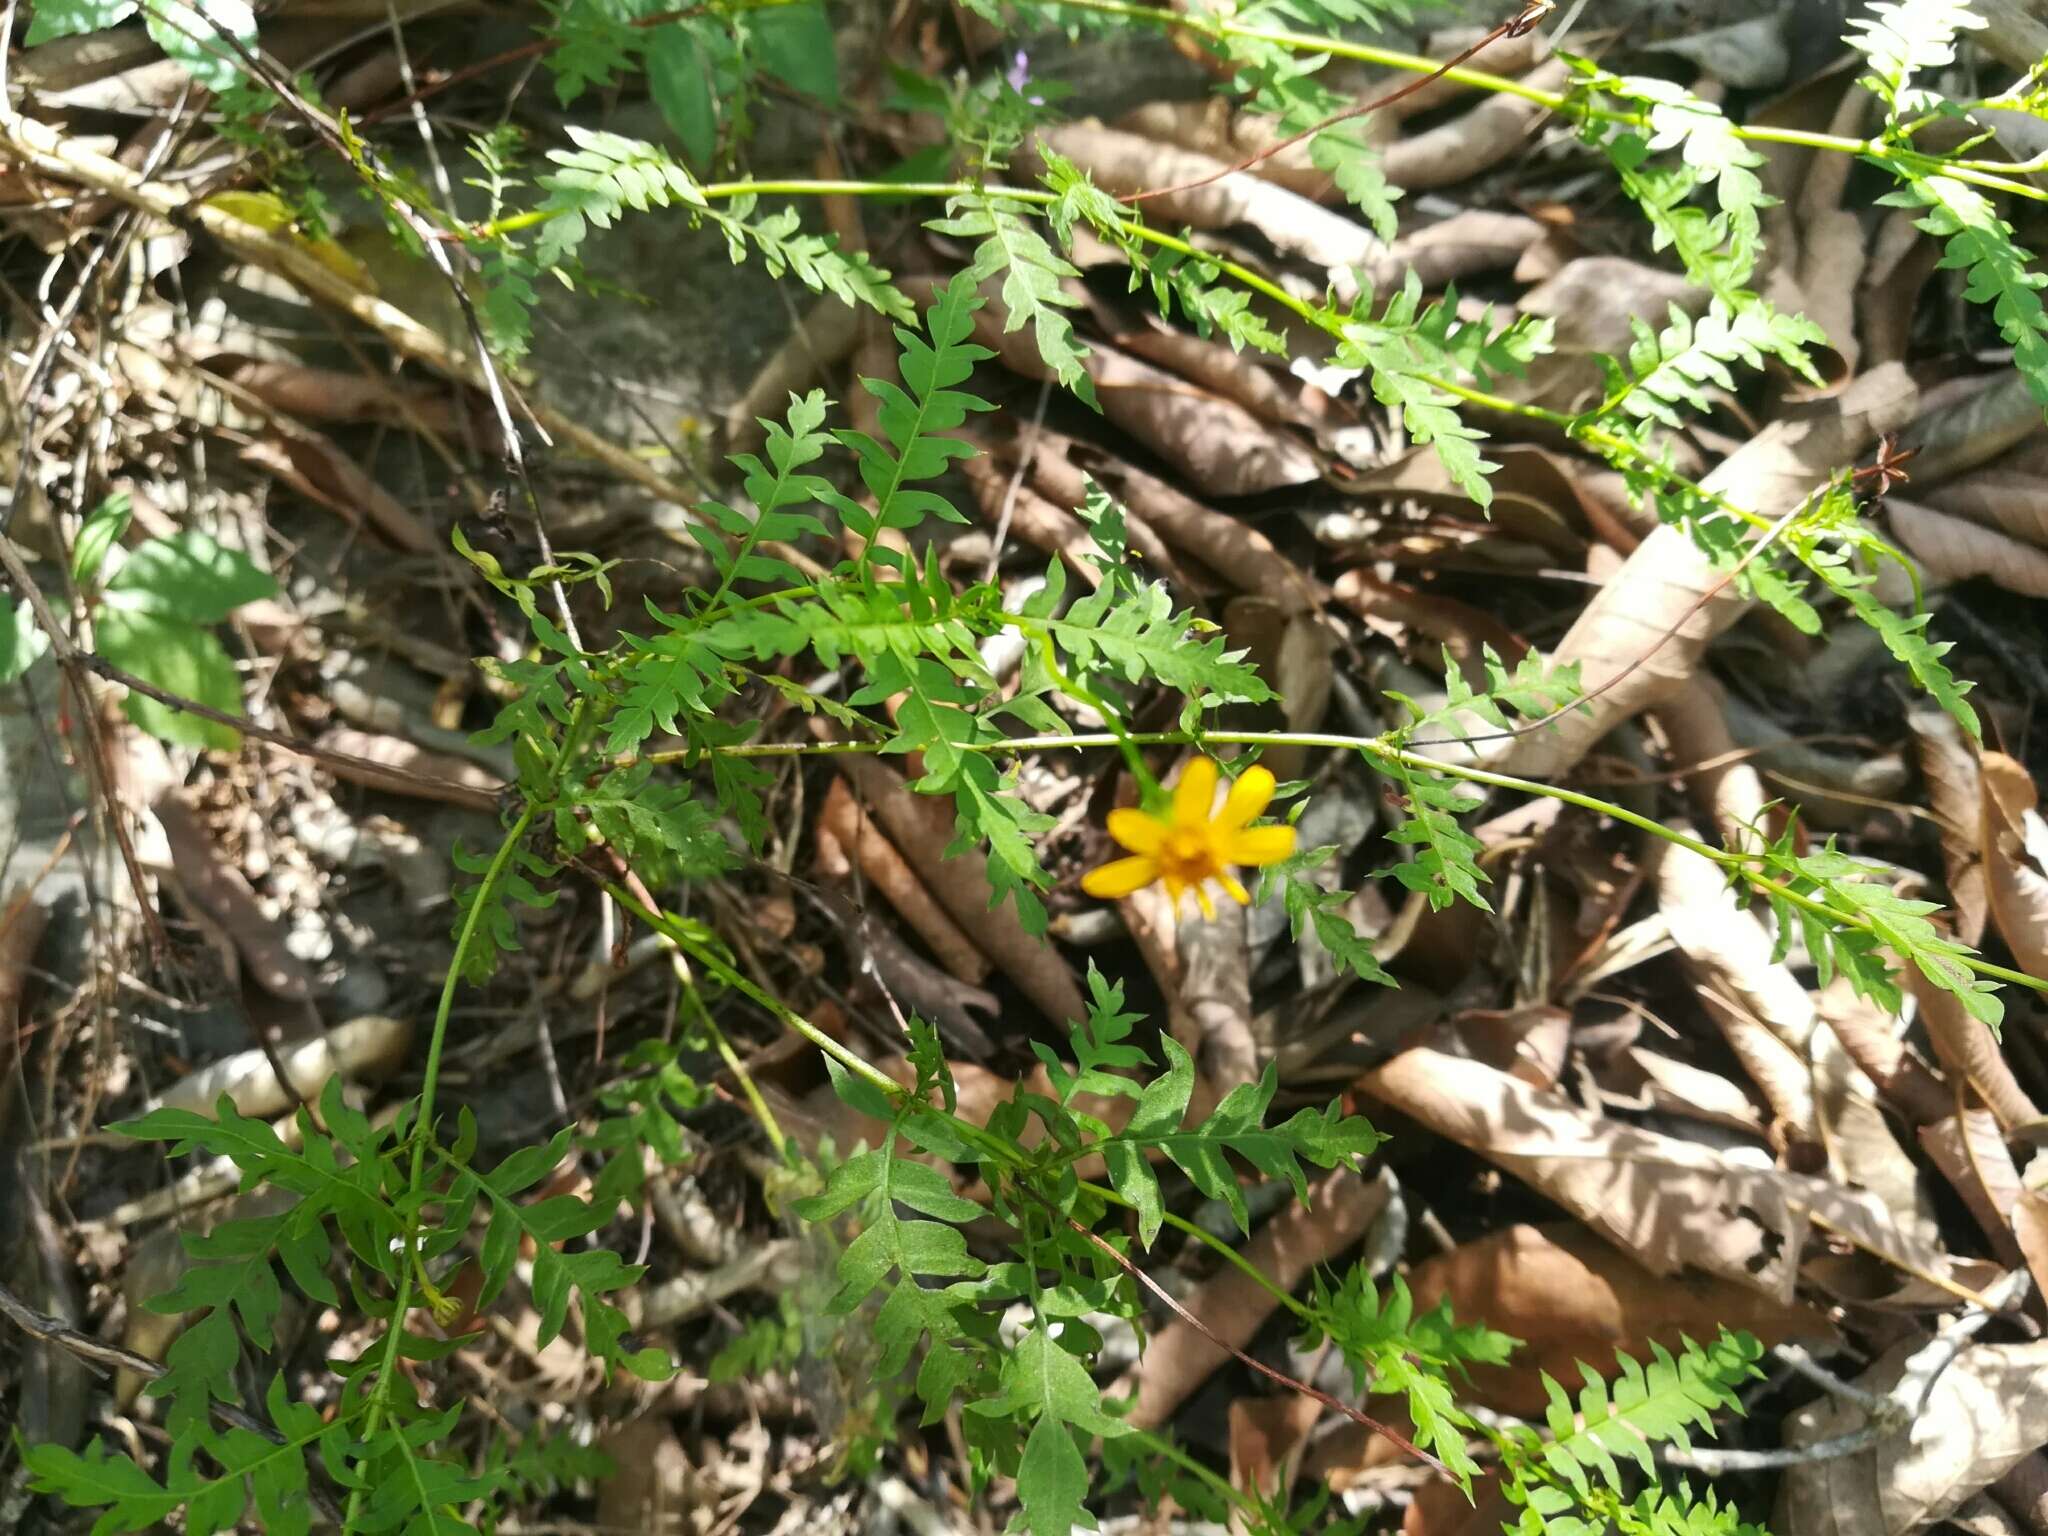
(1953, 549)
(1970, 1151)
(215, 892)
(1955, 790)
(1667, 587)
(822, 339)
(886, 871)
(1964, 1045)
(1341, 1207)
(1980, 1416)
(1570, 1296)
(367, 1048)
(922, 829)
(2013, 501)
(1762, 1011)
(2015, 842)
(1122, 163)
(1675, 1205)
(1222, 448)
(1721, 779)
(1234, 550)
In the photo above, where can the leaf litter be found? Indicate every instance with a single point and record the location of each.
(1742, 1167)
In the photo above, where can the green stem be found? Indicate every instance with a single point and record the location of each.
(690, 944)
(573, 736)
(1745, 864)
(1572, 426)
(1224, 1488)
(770, 1126)
(465, 941)
(1202, 1235)
(1982, 174)
(1149, 787)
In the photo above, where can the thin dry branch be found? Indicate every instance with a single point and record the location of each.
(37, 146)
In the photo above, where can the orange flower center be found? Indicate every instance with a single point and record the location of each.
(1187, 855)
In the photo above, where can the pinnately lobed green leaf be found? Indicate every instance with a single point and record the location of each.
(2001, 273)
(1031, 270)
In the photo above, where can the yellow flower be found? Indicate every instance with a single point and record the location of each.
(1194, 842)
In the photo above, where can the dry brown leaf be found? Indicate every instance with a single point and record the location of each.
(1216, 991)
(1814, 247)
(1209, 126)
(1530, 1042)
(2015, 843)
(883, 962)
(1536, 494)
(1442, 1508)
(1748, 54)
(2013, 501)
(1592, 304)
(1571, 1296)
(1955, 549)
(1986, 1412)
(1675, 1205)
(1955, 790)
(1404, 613)
(1179, 1359)
(1662, 585)
(1239, 553)
(400, 768)
(1784, 1081)
(1498, 127)
(1295, 652)
(921, 827)
(653, 1489)
(318, 470)
(1122, 163)
(2030, 1231)
(885, 870)
(821, 340)
(1471, 240)
(1680, 1088)
(22, 921)
(328, 394)
(1785, 757)
(1966, 1047)
(1901, 261)
(368, 1048)
(1763, 1012)
(1029, 516)
(1154, 926)
(1863, 1148)
(1871, 1038)
(2023, 1491)
(1222, 448)
(216, 893)
(1722, 782)
(1973, 424)
(1241, 376)
(1971, 1153)
(2016, 32)
(1265, 1435)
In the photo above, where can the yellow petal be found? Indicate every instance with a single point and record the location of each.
(1136, 831)
(1237, 891)
(1257, 845)
(1248, 797)
(1195, 795)
(1120, 877)
(1208, 906)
